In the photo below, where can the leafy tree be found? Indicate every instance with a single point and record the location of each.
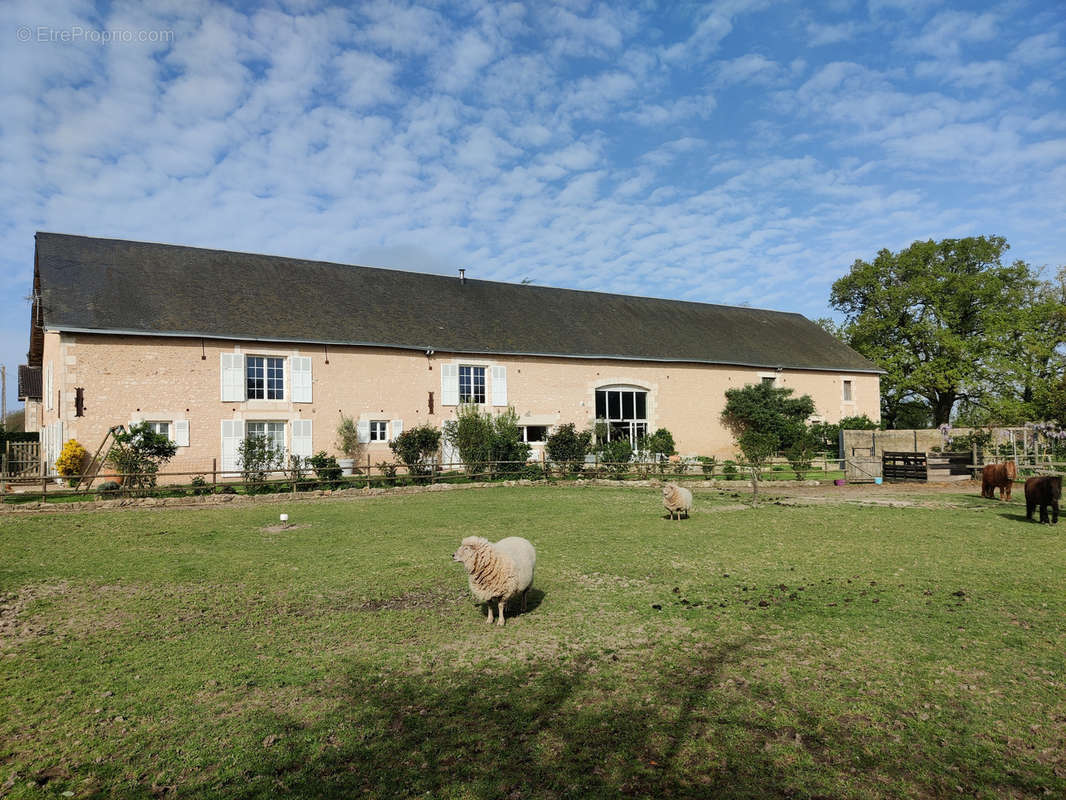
(826, 435)
(137, 454)
(566, 446)
(765, 419)
(1030, 361)
(415, 447)
(1050, 402)
(936, 316)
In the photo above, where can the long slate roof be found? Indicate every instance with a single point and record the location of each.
(115, 286)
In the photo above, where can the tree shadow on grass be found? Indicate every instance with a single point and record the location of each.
(681, 729)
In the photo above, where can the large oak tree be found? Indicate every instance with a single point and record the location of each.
(938, 317)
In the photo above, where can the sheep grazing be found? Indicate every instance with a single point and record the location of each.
(499, 571)
(678, 500)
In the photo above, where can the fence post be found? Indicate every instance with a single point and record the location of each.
(3, 471)
(368, 470)
(214, 470)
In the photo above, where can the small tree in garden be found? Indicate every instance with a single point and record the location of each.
(758, 448)
(568, 447)
(258, 456)
(348, 438)
(765, 419)
(800, 454)
(137, 454)
(415, 447)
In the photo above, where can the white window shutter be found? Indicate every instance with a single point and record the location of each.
(499, 386)
(301, 379)
(181, 432)
(57, 442)
(301, 438)
(233, 382)
(449, 384)
(395, 428)
(232, 435)
(362, 431)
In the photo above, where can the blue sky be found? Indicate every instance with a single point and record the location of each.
(739, 152)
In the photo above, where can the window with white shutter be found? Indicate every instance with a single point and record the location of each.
(232, 436)
(300, 367)
(499, 386)
(301, 438)
(449, 384)
(181, 432)
(232, 368)
(395, 429)
(362, 431)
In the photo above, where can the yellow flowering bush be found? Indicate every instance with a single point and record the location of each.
(72, 458)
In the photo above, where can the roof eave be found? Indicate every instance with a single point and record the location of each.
(430, 347)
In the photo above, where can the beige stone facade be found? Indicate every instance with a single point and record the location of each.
(180, 381)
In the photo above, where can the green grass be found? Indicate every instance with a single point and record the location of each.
(831, 650)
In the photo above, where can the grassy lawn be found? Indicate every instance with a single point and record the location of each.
(828, 650)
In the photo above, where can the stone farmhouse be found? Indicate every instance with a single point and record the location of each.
(210, 346)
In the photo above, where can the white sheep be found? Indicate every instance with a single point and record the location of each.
(677, 499)
(499, 571)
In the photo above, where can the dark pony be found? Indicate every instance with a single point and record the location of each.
(1043, 491)
(999, 476)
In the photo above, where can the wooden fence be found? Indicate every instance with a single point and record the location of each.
(213, 480)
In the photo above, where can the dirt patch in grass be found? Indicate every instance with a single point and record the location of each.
(15, 626)
(409, 601)
(285, 526)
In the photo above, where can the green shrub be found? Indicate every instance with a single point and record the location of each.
(109, 488)
(199, 486)
(138, 453)
(326, 467)
(415, 447)
(729, 469)
(708, 464)
(616, 455)
(485, 439)
(258, 456)
(567, 448)
(387, 469)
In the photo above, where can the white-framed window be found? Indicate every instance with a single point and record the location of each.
(274, 431)
(624, 409)
(379, 430)
(536, 434)
(471, 384)
(264, 377)
(160, 427)
(768, 380)
(847, 390)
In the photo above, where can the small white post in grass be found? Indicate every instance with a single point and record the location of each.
(284, 517)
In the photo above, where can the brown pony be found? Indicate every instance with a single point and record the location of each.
(998, 475)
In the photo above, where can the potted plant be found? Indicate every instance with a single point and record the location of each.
(348, 444)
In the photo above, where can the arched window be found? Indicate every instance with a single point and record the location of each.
(624, 409)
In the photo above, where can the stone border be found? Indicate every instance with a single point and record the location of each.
(216, 500)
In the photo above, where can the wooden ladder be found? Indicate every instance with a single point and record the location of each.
(94, 466)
